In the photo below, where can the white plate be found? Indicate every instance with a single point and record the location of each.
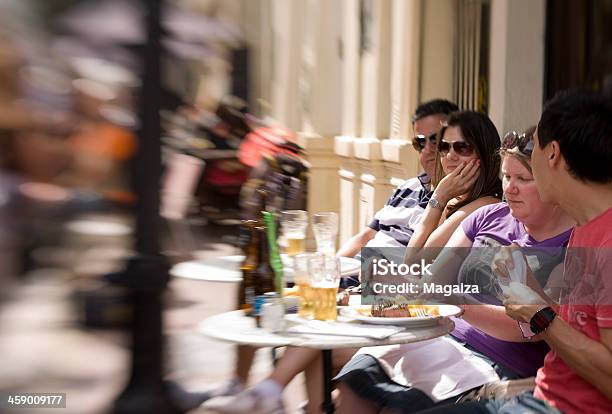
(445, 312)
(349, 266)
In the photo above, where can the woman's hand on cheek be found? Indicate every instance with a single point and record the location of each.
(458, 182)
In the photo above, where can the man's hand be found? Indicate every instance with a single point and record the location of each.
(522, 302)
(458, 182)
(503, 263)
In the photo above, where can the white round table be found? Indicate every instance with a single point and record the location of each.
(240, 329)
(227, 268)
(222, 269)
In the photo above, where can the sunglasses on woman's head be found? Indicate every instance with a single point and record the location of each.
(461, 148)
(523, 142)
(419, 141)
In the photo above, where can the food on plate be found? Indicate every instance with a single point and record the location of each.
(390, 311)
(394, 310)
(342, 298)
(431, 310)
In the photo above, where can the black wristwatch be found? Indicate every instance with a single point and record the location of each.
(542, 320)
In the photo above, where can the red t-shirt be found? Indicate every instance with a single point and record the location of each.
(587, 308)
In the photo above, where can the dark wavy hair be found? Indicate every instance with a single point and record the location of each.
(478, 130)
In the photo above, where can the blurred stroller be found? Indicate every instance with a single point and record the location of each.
(267, 158)
(232, 153)
(224, 174)
(279, 175)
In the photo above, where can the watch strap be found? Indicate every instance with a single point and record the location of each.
(542, 320)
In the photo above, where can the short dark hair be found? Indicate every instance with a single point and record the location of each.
(581, 122)
(433, 107)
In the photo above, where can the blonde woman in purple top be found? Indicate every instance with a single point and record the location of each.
(412, 377)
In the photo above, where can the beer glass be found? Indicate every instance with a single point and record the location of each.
(294, 223)
(325, 229)
(301, 269)
(324, 281)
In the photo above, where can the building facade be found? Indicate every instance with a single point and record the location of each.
(348, 74)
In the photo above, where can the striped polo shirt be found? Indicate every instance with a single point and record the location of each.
(395, 222)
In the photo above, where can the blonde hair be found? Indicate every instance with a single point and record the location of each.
(516, 153)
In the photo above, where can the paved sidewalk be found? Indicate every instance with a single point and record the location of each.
(42, 349)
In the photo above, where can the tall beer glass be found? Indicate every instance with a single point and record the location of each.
(294, 223)
(325, 229)
(324, 279)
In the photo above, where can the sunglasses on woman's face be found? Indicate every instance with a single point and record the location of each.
(461, 148)
(523, 142)
(419, 141)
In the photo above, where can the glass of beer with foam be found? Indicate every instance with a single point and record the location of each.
(324, 281)
(301, 269)
(294, 223)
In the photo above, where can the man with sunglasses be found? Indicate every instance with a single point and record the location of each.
(392, 225)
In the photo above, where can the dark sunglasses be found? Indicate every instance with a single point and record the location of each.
(419, 141)
(463, 149)
(523, 142)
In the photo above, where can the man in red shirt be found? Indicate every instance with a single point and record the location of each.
(572, 167)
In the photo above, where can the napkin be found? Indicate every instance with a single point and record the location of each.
(345, 329)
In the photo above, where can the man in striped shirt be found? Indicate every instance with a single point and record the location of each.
(393, 225)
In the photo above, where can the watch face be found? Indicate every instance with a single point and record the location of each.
(540, 321)
(526, 330)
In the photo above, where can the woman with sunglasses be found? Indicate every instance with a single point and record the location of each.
(486, 345)
(466, 178)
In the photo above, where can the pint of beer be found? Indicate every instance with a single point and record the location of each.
(301, 273)
(306, 293)
(294, 223)
(324, 280)
(295, 243)
(324, 302)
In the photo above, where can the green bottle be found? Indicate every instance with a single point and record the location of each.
(246, 292)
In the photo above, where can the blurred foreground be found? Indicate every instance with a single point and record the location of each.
(43, 348)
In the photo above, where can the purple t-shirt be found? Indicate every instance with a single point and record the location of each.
(492, 226)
